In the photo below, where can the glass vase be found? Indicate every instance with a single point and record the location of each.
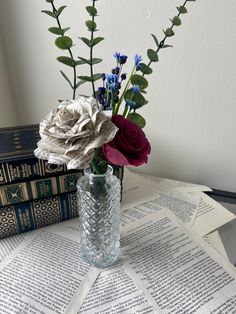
(99, 217)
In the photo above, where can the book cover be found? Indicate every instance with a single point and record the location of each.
(32, 215)
(17, 160)
(30, 190)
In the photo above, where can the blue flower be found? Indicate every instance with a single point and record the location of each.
(137, 60)
(112, 87)
(123, 59)
(115, 78)
(101, 90)
(135, 89)
(117, 56)
(123, 76)
(109, 78)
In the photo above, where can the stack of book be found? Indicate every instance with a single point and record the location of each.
(33, 193)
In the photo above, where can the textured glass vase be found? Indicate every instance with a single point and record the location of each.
(99, 217)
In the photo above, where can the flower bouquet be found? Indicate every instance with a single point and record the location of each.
(102, 129)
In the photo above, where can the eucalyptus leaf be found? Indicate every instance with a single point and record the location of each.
(67, 61)
(91, 25)
(49, 13)
(182, 9)
(139, 100)
(169, 32)
(59, 11)
(56, 30)
(80, 62)
(139, 80)
(80, 83)
(64, 42)
(50, 1)
(97, 76)
(66, 78)
(152, 55)
(137, 119)
(88, 61)
(155, 39)
(166, 46)
(176, 21)
(91, 10)
(85, 78)
(96, 41)
(86, 41)
(145, 69)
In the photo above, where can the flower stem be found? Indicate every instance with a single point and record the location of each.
(69, 50)
(117, 107)
(91, 56)
(164, 39)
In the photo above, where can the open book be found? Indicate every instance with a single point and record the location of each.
(165, 267)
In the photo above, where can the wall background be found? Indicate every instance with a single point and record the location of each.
(192, 104)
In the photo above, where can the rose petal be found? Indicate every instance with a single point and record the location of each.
(114, 156)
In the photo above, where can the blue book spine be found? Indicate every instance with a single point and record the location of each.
(36, 214)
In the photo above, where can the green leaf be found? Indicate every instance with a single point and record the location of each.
(56, 30)
(169, 32)
(59, 11)
(85, 78)
(90, 78)
(152, 55)
(176, 21)
(137, 98)
(91, 25)
(86, 41)
(139, 80)
(155, 39)
(182, 10)
(97, 76)
(67, 61)
(91, 10)
(166, 46)
(96, 61)
(80, 83)
(50, 1)
(49, 13)
(96, 41)
(137, 119)
(145, 69)
(66, 78)
(88, 61)
(64, 42)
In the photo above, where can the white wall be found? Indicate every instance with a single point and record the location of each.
(191, 111)
(8, 111)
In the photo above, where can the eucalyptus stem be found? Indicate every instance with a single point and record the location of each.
(164, 39)
(69, 50)
(91, 55)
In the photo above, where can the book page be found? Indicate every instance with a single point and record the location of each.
(184, 206)
(115, 292)
(136, 190)
(167, 185)
(180, 271)
(210, 215)
(8, 245)
(215, 241)
(45, 273)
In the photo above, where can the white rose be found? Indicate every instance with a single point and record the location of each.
(71, 132)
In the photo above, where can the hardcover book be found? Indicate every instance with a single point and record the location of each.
(32, 215)
(30, 190)
(17, 160)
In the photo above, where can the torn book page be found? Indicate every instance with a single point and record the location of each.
(180, 271)
(210, 215)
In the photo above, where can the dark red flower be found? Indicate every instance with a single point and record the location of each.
(130, 146)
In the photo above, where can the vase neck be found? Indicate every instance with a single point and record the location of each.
(95, 177)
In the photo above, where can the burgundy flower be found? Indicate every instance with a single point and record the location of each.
(129, 147)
